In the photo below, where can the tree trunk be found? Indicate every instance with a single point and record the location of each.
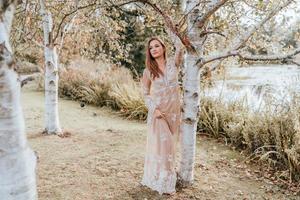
(17, 160)
(52, 125)
(191, 98)
(51, 92)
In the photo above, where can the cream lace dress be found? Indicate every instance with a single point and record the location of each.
(162, 93)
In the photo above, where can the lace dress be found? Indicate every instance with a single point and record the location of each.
(162, 93)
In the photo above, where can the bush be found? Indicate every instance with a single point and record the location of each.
(268, 136)
(113, 87)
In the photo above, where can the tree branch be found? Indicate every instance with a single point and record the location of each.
(235, 46)
(171, 26)
(279, 57)
(246, 37)
(68, 14)
(203, 33)
(84, 7)
(208, 59)
(65, 31)
(210, 12)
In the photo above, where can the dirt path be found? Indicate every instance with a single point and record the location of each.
(103, 159)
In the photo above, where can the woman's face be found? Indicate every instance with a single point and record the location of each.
(156, 49)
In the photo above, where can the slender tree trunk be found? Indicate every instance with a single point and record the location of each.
(191, 99)
(17, 160)
(52, 125)
(51, 92)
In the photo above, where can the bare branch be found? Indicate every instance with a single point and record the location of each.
(294, 62)
(234, 47)
(210, 12)
(65, 31)
(203, 33)
(246, 37)
(84, 7)
(125, 3)
(31, 39)
(71, 13)
(182, 20)
(209, 59)
(279, 57)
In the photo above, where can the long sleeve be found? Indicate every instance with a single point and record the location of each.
(179, 53)
(146, 84)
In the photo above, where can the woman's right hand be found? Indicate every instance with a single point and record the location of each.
(158, 114)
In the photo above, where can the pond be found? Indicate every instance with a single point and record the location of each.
(256, 85)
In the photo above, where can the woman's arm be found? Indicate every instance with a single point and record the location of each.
(179, 54)
(150, 104)
(146, 84)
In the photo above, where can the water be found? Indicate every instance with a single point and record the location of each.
(256, 84)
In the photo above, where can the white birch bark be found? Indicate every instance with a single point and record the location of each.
(17, 160)
(192, 77)
(52, 125)
(191, 99)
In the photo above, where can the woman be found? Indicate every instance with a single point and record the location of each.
(163, 103)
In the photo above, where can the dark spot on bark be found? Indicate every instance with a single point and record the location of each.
(1, 86)
(195, 95)
(51, 83)
(2, 46)
(2, 74)
(189, 120)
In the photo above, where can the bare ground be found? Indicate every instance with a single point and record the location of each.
(103, 159)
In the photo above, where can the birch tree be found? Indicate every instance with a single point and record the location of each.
(52, 50)
(52, 125)
(191, 97)
(57, 20)
(199, 16)
(17, 160)
(196, 65)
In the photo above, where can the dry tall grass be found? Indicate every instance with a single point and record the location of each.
(113, 87)
(269, 136)
(129, 100)
(272, 137)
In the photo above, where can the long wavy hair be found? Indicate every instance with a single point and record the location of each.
(151, 64)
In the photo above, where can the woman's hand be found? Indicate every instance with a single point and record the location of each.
(180, 48)
(159, 114)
